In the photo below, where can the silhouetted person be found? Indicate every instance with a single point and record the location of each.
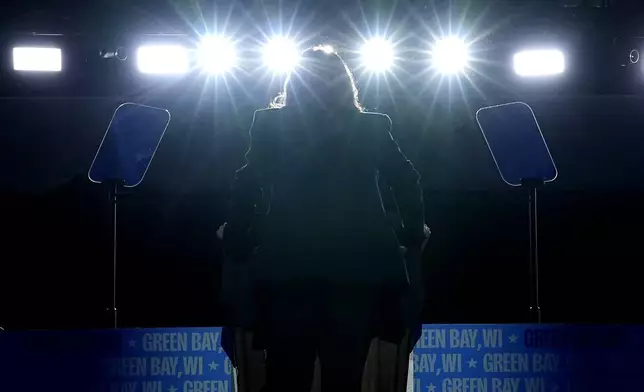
(414, 299)
(328, 272)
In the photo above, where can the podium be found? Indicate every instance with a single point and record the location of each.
(386, 369)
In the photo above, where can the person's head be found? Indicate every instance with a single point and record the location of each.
(322, 80)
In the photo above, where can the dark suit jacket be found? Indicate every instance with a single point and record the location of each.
(326, 221)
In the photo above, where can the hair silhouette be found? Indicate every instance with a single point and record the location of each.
(322, 80)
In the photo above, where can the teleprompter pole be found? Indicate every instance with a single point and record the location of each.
(531, 187)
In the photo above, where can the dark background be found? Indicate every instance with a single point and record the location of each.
(55, 254)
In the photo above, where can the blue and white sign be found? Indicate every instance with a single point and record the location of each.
(447, 358)
(527, 358)
(145, 360)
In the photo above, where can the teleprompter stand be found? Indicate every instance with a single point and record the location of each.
(522, 157)
(122, 160)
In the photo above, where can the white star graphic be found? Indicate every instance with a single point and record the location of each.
(132, 343)
(431, 388)
(513, 338)
(471, 363)
(213, 365)
(172, 389)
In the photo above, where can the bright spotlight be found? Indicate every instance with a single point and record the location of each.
(163, 59)
(37, 59)
(281, 54)
(450, 55)
(377, 55)
(217, 54)
(539, 63)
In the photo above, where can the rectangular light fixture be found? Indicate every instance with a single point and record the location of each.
(533, 63)
(163, 59)
(37, 59)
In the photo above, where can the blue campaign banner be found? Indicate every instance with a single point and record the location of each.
(528, 358)
(129, 360)
(446, 358)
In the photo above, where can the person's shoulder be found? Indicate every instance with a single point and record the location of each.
(376, 118)
(267, 113)
(265, 119)
(373, 114)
